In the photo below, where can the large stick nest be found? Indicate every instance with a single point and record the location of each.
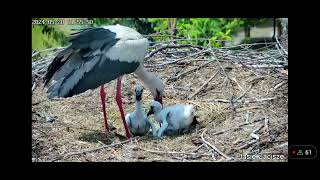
(240, 95)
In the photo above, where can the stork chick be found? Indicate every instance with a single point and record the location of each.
(137, 121)
(174, 119)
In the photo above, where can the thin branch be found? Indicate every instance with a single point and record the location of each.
(89, 150)
(173, 152)
(219, 100)
(256, 79)
(235, 80)
(254, 135)
(243, 124)
(162, 160)
(212, 146)
(41, 61)
(278, 85)
(246, 46)
(204, 84)
(160, 35)
(247, 116)
(177, 60)
(244, 101)
(244, 93)
(35, 73)
(246, 145)
(266, 124)
(263, 66)
(286, 53)
(190, 70)
(198, 148)
(34, 86)
(36, 103)
(170, 46)
(51, 49)
(282, 145)
(177, 38)
(259, 100)
(229, 81)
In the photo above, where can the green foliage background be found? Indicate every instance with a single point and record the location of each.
(204, 31)
(213, 30)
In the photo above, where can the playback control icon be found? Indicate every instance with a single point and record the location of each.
(302, 152)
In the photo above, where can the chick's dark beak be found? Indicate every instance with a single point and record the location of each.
(150, 111)
(138, 97)
(139, 94)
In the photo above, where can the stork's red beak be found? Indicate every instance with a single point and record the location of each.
(159, 99)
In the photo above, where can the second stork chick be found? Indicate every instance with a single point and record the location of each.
(174, 119)
(137, 121)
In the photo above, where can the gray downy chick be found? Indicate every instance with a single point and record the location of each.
(137, 121)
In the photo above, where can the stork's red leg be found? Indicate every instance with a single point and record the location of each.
(103, 102)
(119, 102)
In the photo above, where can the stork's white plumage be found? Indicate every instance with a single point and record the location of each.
(137, 121)
(97, 56)
(131, 47)
(175, 119)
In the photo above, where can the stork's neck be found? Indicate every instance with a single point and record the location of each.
(145, 76)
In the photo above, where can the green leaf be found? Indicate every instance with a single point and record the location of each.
(228, 32)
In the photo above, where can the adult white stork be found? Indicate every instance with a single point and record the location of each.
(97, 56)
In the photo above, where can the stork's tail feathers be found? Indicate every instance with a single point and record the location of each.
(56, 64)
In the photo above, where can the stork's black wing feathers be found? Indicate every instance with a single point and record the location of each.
(93, 38)
(85, 41)
(57, 62)
(101, 73)
(84, 65)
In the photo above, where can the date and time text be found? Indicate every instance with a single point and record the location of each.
(61, 21)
